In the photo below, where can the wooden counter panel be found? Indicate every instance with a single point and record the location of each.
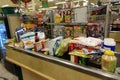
(28, 75)
(47, 68)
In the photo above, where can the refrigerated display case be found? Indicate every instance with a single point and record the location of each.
(3, 35)
(3, 38)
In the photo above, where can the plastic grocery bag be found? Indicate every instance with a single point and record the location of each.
(63, 47)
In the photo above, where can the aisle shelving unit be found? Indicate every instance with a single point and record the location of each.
(70, 24)
(114, 29)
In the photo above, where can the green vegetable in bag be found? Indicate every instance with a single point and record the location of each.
(63, 47)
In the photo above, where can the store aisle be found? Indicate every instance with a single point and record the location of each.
(5, 75)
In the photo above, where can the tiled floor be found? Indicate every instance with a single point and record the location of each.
(6, 75)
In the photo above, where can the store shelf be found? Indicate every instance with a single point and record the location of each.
(97, 8)
(29, 20)
(70, 24)
(103, 15)
(114, 31)
(116, 23)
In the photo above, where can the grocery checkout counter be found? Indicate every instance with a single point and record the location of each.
(38, 66)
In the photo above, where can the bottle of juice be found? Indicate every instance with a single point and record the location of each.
(108, 61)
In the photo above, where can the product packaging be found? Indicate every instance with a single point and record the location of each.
(94, 31)
(79, 31)
(58, 31)
(37, 46)
(54, 44)
(63, 47)
(28, 40)
(40, 16)
(18, 32)
(58, 16)
(108, 61)
(68, 32)
(78, 56)
(109, 43)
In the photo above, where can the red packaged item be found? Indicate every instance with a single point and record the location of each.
(15, 1)
(71, 46)
(44, 44)
(37, 46)
(78, 46)
(75, 59)
(40, 16)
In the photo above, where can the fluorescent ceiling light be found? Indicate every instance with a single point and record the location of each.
(30, 8)
(92, 4)
(31, 4)
(53, 7)
(78, 0)
(44, 9)
(73, 1)
(6, 5)
(60, 3)
(85, 3)
(85, 0)
(50, 0)
(40, 6)
(49, 8)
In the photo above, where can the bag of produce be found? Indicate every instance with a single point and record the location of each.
(63, 47)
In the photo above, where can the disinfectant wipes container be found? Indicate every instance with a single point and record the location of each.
(109, 43)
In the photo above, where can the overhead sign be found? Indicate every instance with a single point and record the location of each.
(44, 3)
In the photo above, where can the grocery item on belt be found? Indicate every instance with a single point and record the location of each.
(63, 47)
(109, 61)
(54, 44)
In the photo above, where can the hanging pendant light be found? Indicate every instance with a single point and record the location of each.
(26, 1)
(15, 1)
